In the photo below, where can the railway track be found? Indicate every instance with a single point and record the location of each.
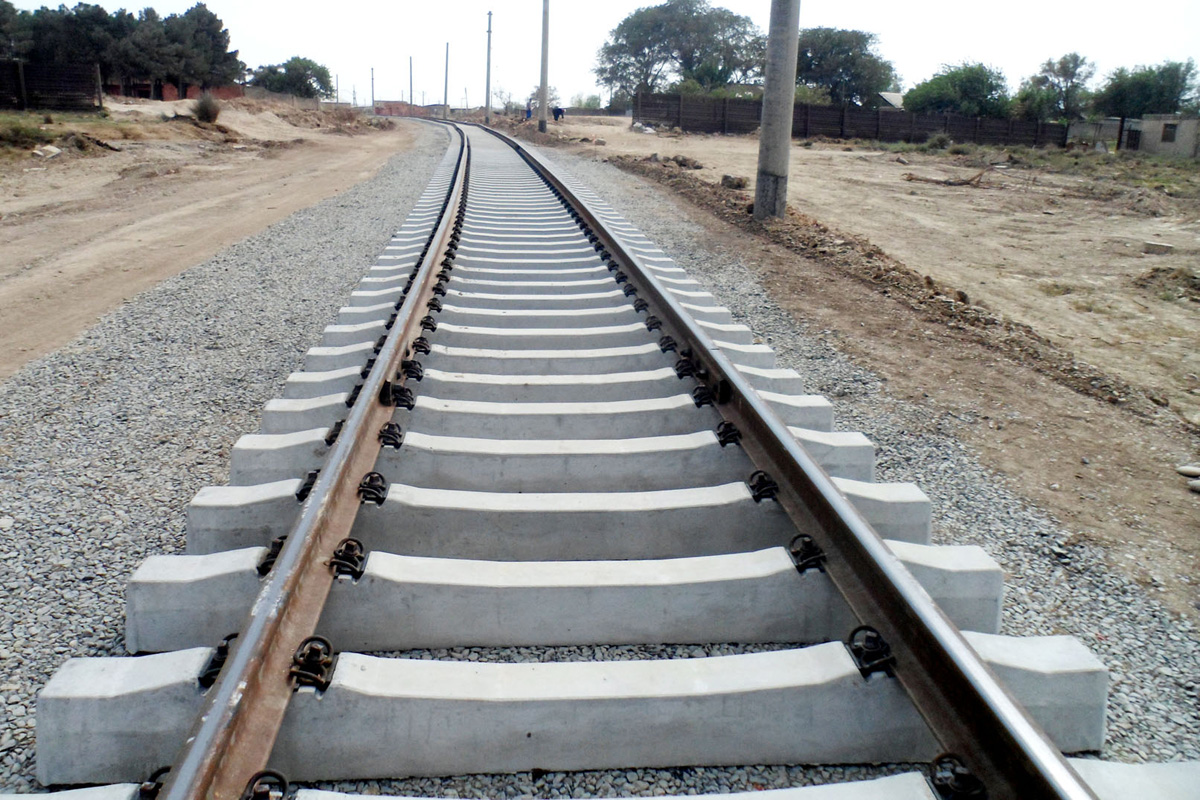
(530, 429)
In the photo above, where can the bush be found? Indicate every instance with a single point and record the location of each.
(938, 141)
(206, 109)
(17, 134)
(961, 149)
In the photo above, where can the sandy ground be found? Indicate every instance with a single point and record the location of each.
(82, 232)
(1104, 471)
(1047, 250)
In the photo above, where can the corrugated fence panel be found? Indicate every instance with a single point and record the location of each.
(710, 115)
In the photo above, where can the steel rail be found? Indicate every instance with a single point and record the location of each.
(962, 701)
(233, 737)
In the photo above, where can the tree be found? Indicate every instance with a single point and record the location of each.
(585, 101)
(147, 52)
(1058, 90)
(203, 47)
(297, 76)
(972, 90)
(637, 56)
(684, 41)
(552, 97)
(843, 63)
(1164, 89)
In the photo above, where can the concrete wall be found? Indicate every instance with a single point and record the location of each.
(1186, 135)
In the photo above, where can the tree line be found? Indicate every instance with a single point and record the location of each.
(692, 47)
(188, 49)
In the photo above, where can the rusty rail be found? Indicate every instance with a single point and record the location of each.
(971, 714)
(234, 734)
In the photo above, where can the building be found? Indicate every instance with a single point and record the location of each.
(1166, 134)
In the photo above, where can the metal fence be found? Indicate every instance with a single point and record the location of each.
(708, 115)
(58, 86)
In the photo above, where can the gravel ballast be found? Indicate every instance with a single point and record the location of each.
(104, 442)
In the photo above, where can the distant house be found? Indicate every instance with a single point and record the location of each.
(1165, 134)
(892, 101)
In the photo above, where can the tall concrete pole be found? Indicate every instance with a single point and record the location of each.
(779, 98)
(372, 90)
(412, 98)
(487, 100)
(544, 89)
(446, 88)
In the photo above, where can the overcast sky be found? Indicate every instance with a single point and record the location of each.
(352, 36)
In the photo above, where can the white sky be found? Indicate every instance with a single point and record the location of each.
(352, 36)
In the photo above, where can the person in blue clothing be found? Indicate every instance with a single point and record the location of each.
(559, 114)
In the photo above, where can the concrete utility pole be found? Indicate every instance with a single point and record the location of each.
(779, 99)
(544, 89)
(487, 100)
(372, 90)
(446, 89)
(412, 98)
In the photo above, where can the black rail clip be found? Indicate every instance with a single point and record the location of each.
(653, 323)
(393, 394)
(667, 344)
(348, 558)
(684, 368)
(334, 433)
(434, 304)
(727, 434)
(373, 488)
(379, 343)
(352, 398)
(212, 670)
(312, 663)
(869, 651)
(421, 345)
(266, 785)
(620, 277)
(387, 326)
(702, 396)
(952, 780)
(428, 323)
(640, 305)
(310, 480)
(412, 369)
(268, 562)
(439, 289)
(807, 554)
(391, 435)
(630, 290)
(762, 486)
(366, 370)
(149, 788)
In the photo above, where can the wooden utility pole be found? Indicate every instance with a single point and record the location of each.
(544, 89)
(487, 100)
(779, 101)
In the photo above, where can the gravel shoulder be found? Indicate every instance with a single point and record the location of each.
(104, 441)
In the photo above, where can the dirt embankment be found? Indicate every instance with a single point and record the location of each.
(148, 191)
(980, 331)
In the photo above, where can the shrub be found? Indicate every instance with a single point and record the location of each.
(961, 149)
(938, 141)
(16, 134)
(206, 109)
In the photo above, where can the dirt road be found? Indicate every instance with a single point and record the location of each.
(81, 234)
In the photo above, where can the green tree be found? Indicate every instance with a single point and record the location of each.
(1163, 89)
(147, 52)
(972, 90)
(9, 22)
(844, 64)
(680, 41)
(203, 48)
(585, 101)
(1058, 90)
(297, 76)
